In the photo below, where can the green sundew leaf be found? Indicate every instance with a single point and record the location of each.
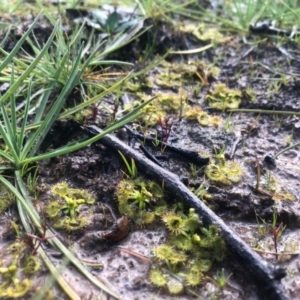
(30, 68)
(194, 276)
(14, 51)
(175, 287)
(157, 278)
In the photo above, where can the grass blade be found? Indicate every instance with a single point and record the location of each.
(14, 51)
(30, 68)
(7, 135)
(37, 138)
(67, 149)
(24, 120)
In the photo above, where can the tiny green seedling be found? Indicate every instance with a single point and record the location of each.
(262, 226)
(220, 155)
(130, 168)
(221, 279)
(32, 181)
(140, 200)
(156, 142)
(202, 191)
(229, 124)
(194, 170)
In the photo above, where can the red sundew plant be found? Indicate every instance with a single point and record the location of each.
(165, 127)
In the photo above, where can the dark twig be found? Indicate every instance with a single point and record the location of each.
(266, 28)
(192, 156)
(150, 156)
(234, 147)
(287, 53)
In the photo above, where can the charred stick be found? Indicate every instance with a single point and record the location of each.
(192, 156)
(150, 156)
(266, 275)
(287, 53)
(266, 28)
(234, 147)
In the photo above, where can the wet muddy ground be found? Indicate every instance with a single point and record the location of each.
(263, 77)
